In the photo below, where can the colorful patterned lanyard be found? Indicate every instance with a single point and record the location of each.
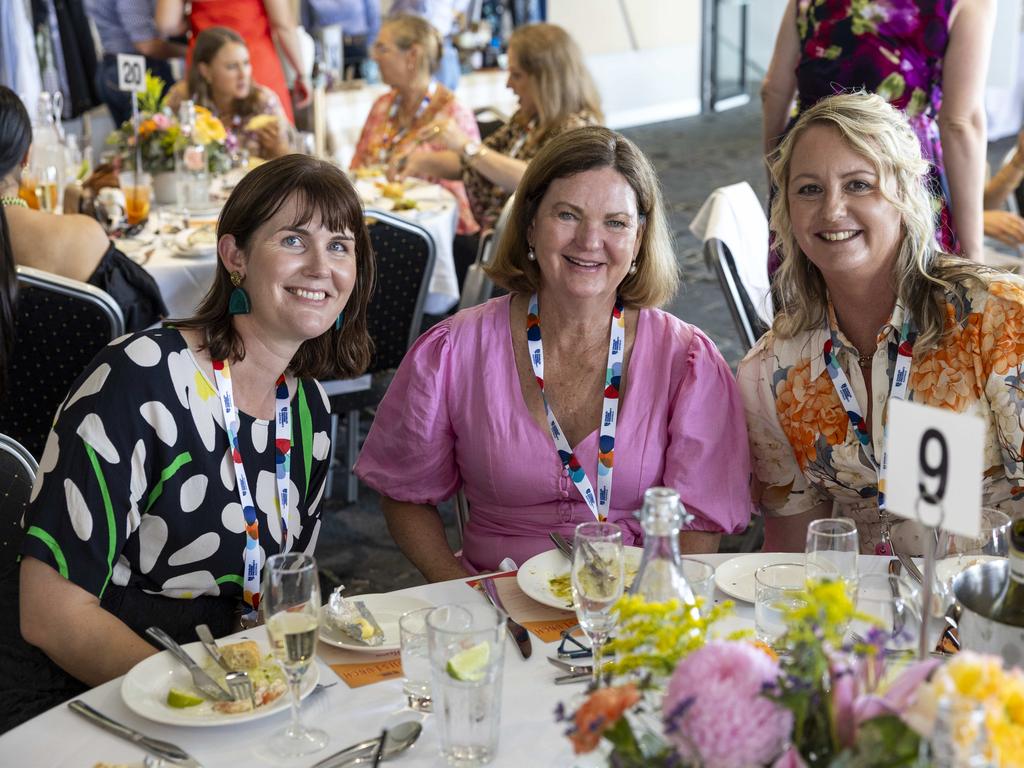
(610, 411)
(898, 391)
(283, 463)
(392, 141)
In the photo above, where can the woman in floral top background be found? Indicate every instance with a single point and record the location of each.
(865, 293)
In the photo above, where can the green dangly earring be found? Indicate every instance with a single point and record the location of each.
(238, 303)
(339, 321)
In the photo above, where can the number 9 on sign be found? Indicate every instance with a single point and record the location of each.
(131, 72)
(934, 470)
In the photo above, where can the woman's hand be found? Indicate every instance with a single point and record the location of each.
(273, 142)
(303, 94)
(425, 164)
(1005, 227)
(445, 132)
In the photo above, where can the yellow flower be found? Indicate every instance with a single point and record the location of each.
(208, 127)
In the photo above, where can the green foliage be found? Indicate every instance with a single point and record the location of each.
(882, 742)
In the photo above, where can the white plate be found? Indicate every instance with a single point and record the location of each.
(387, 610)
(735, 577)
(535, 574)
(185, 247)
(144, 690)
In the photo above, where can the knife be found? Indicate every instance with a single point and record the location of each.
(162, 749)
(200, 679)
(562, 543)
(515, 630)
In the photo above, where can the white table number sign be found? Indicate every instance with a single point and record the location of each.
(934, 467)
(131, 72)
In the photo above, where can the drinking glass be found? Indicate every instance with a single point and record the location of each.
(957, 553)
(138, 192)
(888, 613)
(832, 549)
(47, 180)
(412, 633)
(598, 572)
(290, 602)
(701, 578)
(467, 656)
(777, 588)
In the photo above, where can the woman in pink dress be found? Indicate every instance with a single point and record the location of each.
(587, 258)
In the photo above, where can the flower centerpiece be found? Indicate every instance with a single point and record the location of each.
(677, 698)
(161, 137)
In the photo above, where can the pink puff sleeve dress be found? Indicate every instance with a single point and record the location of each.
(454, 417)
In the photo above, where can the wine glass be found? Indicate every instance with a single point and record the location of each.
(832, 549)
(888, 613)
(291, 606)
(598, 573)
(956, 553)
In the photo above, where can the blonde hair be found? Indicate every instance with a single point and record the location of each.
(412, 30)
(584, 149)
(551, 58)
(922, 274)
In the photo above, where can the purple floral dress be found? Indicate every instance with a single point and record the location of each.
(893, 48)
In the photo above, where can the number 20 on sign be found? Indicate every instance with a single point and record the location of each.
(935, 462)
(131, 72)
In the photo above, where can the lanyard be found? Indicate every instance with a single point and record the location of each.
(610, 411)
(282, 463)
(397, 135)
(517, 146)
(897, 391)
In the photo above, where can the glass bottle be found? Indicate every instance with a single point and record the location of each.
(190, 163)
(1009, 605)
(660, 577)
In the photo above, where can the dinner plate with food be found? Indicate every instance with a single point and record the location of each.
(547, 579)
(365, 623)
(196, 242)
(160, 688)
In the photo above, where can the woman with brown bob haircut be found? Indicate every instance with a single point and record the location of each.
(529, 426)
(187, 454)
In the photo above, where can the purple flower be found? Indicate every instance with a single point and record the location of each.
(714, 709)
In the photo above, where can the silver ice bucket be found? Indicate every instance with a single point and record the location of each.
(977, 589)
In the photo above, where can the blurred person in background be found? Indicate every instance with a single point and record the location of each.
(446, 16)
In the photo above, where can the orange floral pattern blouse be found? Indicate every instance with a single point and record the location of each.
(375, 148)
(803, 449)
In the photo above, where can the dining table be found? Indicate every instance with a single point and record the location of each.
(529, 731)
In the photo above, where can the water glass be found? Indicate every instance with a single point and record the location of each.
(701, 578)
(412, 633)
(290, 602)
(888, 613)
(832, 549)
(598, 576)
(777, 588)
(467, 656)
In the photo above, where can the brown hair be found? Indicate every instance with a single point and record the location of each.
(412, 30)
(584, 149)
(319, 188)
(564, 86)
(208, 44)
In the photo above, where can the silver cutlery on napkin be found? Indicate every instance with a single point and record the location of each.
(515, 630)
(200, 678)
(162, 749)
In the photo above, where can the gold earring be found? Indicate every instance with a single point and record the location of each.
(236, 278)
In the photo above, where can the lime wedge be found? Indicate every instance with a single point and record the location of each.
(469, 665)
(182, 699)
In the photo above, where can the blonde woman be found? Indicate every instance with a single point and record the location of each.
(867, 298)
(556, 94)
(408, 52)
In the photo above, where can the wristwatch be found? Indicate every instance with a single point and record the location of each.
(471, 150)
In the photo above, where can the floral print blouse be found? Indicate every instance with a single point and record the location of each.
(803, 449)
(377, 143)
(512, 139)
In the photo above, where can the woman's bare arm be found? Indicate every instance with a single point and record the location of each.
(419, 533)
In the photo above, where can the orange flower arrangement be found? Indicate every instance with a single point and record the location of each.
(599, 713)
(807, 409)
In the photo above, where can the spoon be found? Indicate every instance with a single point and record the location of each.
(398, 740)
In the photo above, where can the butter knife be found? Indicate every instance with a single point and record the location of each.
(515, 630)
(162, 749)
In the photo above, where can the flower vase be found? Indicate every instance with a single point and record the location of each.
(164, 188)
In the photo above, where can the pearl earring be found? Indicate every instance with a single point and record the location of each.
(530, 254)
(632, 268)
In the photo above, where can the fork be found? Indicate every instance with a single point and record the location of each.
(238, 681)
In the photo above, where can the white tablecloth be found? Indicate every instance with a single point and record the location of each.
(529, 733)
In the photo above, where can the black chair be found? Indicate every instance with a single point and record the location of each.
(488, 120)
(59, 327)
(17, 474)
(748, 323)
(405, 254)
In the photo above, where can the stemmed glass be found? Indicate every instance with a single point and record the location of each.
(598, 573)
(832, 549)
(888, 613)
(956, 553)
(291, 606)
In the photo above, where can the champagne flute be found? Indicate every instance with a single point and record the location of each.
(291, 606)
(832, 549)
(598, 572)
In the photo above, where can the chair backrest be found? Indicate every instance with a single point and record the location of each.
(720, 261)
(17, 475)
(478, 287)
(1015, 202)
(405, 255)
(60, 325)
(488, 120)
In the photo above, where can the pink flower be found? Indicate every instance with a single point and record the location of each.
(791, 758)
(714, 709)
(161, 121)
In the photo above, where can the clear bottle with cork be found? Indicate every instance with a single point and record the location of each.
(660, 577)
